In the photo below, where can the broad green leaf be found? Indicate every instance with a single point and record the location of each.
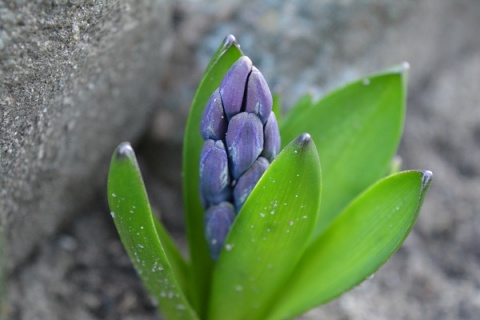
(356, 244)
(357, 129)
(149, 251)
(277, 107)
(202, 265)
(395, 165)
(175, 258)
(268, 236)
(302, 105)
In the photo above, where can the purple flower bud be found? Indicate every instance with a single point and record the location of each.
(232, 88)
(218, 220)
(241, 139)
(247, 182)
(214, 123)
(244, 142)
(258, 96)
(214, 175)
(271, 145)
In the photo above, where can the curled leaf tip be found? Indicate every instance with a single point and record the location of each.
(125, 150)
(304, 139)
(426, 179)
(229, 41)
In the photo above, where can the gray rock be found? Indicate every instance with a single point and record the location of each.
(77, 78)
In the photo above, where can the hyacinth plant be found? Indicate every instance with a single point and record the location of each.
(270, 234)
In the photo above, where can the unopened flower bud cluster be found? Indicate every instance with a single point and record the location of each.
(241, 140)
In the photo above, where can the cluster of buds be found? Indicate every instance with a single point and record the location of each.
(241, 140)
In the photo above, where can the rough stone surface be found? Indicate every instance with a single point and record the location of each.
(309, 45)
(92, 278)
(77, 78)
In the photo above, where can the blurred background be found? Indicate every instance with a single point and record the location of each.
(78, 77)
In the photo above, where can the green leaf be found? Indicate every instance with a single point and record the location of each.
(356, 244)
(357, 130)
(175, 258)
(269, 235)
(296, 112)
(202, 265)
(277, 107)
(395, 165)
(150, 253)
